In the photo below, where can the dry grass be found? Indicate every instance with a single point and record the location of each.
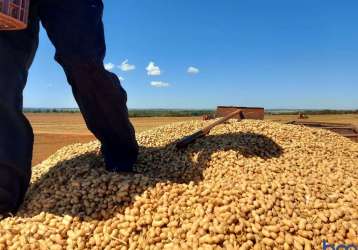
(53, 130)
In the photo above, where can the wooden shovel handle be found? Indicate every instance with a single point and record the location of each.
(183, 143)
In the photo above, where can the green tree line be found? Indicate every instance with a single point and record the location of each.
(193, 112)
(133, 112)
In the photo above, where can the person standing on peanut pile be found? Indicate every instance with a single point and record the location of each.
(76, 30)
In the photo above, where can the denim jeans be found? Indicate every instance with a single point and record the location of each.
(76, 30)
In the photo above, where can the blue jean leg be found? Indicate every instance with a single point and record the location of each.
(17, 50)
(76, 30)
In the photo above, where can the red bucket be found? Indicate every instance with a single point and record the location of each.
(14, 14)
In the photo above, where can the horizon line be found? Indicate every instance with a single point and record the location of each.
(59, 108)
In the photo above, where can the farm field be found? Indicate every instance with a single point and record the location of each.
(346, 118)
(55, 130)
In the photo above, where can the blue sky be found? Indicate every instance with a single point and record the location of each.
(275, 54)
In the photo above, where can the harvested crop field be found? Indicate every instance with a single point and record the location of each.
(248, 185)
(55, 130)
(46, 144)
(333, 118)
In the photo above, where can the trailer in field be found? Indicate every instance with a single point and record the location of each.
(255, 113)
(347, 130)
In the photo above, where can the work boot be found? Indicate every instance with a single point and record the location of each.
(115, 163)
(7, 204)
(11, 195)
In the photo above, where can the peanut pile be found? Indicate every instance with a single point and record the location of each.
(247, 185)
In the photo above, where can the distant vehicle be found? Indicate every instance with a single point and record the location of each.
(302, 116)
(208, 117)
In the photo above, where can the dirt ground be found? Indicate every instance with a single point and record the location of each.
(55, 130)
(350, 118)
(47, 144)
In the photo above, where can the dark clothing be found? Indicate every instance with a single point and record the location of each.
(76, 30)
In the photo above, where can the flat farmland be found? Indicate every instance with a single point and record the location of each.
(73, 123)
(55, 130)
(347, 118)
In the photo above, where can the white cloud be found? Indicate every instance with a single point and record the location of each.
(125, 66)
(153, 70)
(159, 84)
(109, 66)
(193, 71)
(121, 78)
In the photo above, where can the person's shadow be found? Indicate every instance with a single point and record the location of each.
(82, 188)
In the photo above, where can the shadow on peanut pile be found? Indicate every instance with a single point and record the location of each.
(82, 188)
